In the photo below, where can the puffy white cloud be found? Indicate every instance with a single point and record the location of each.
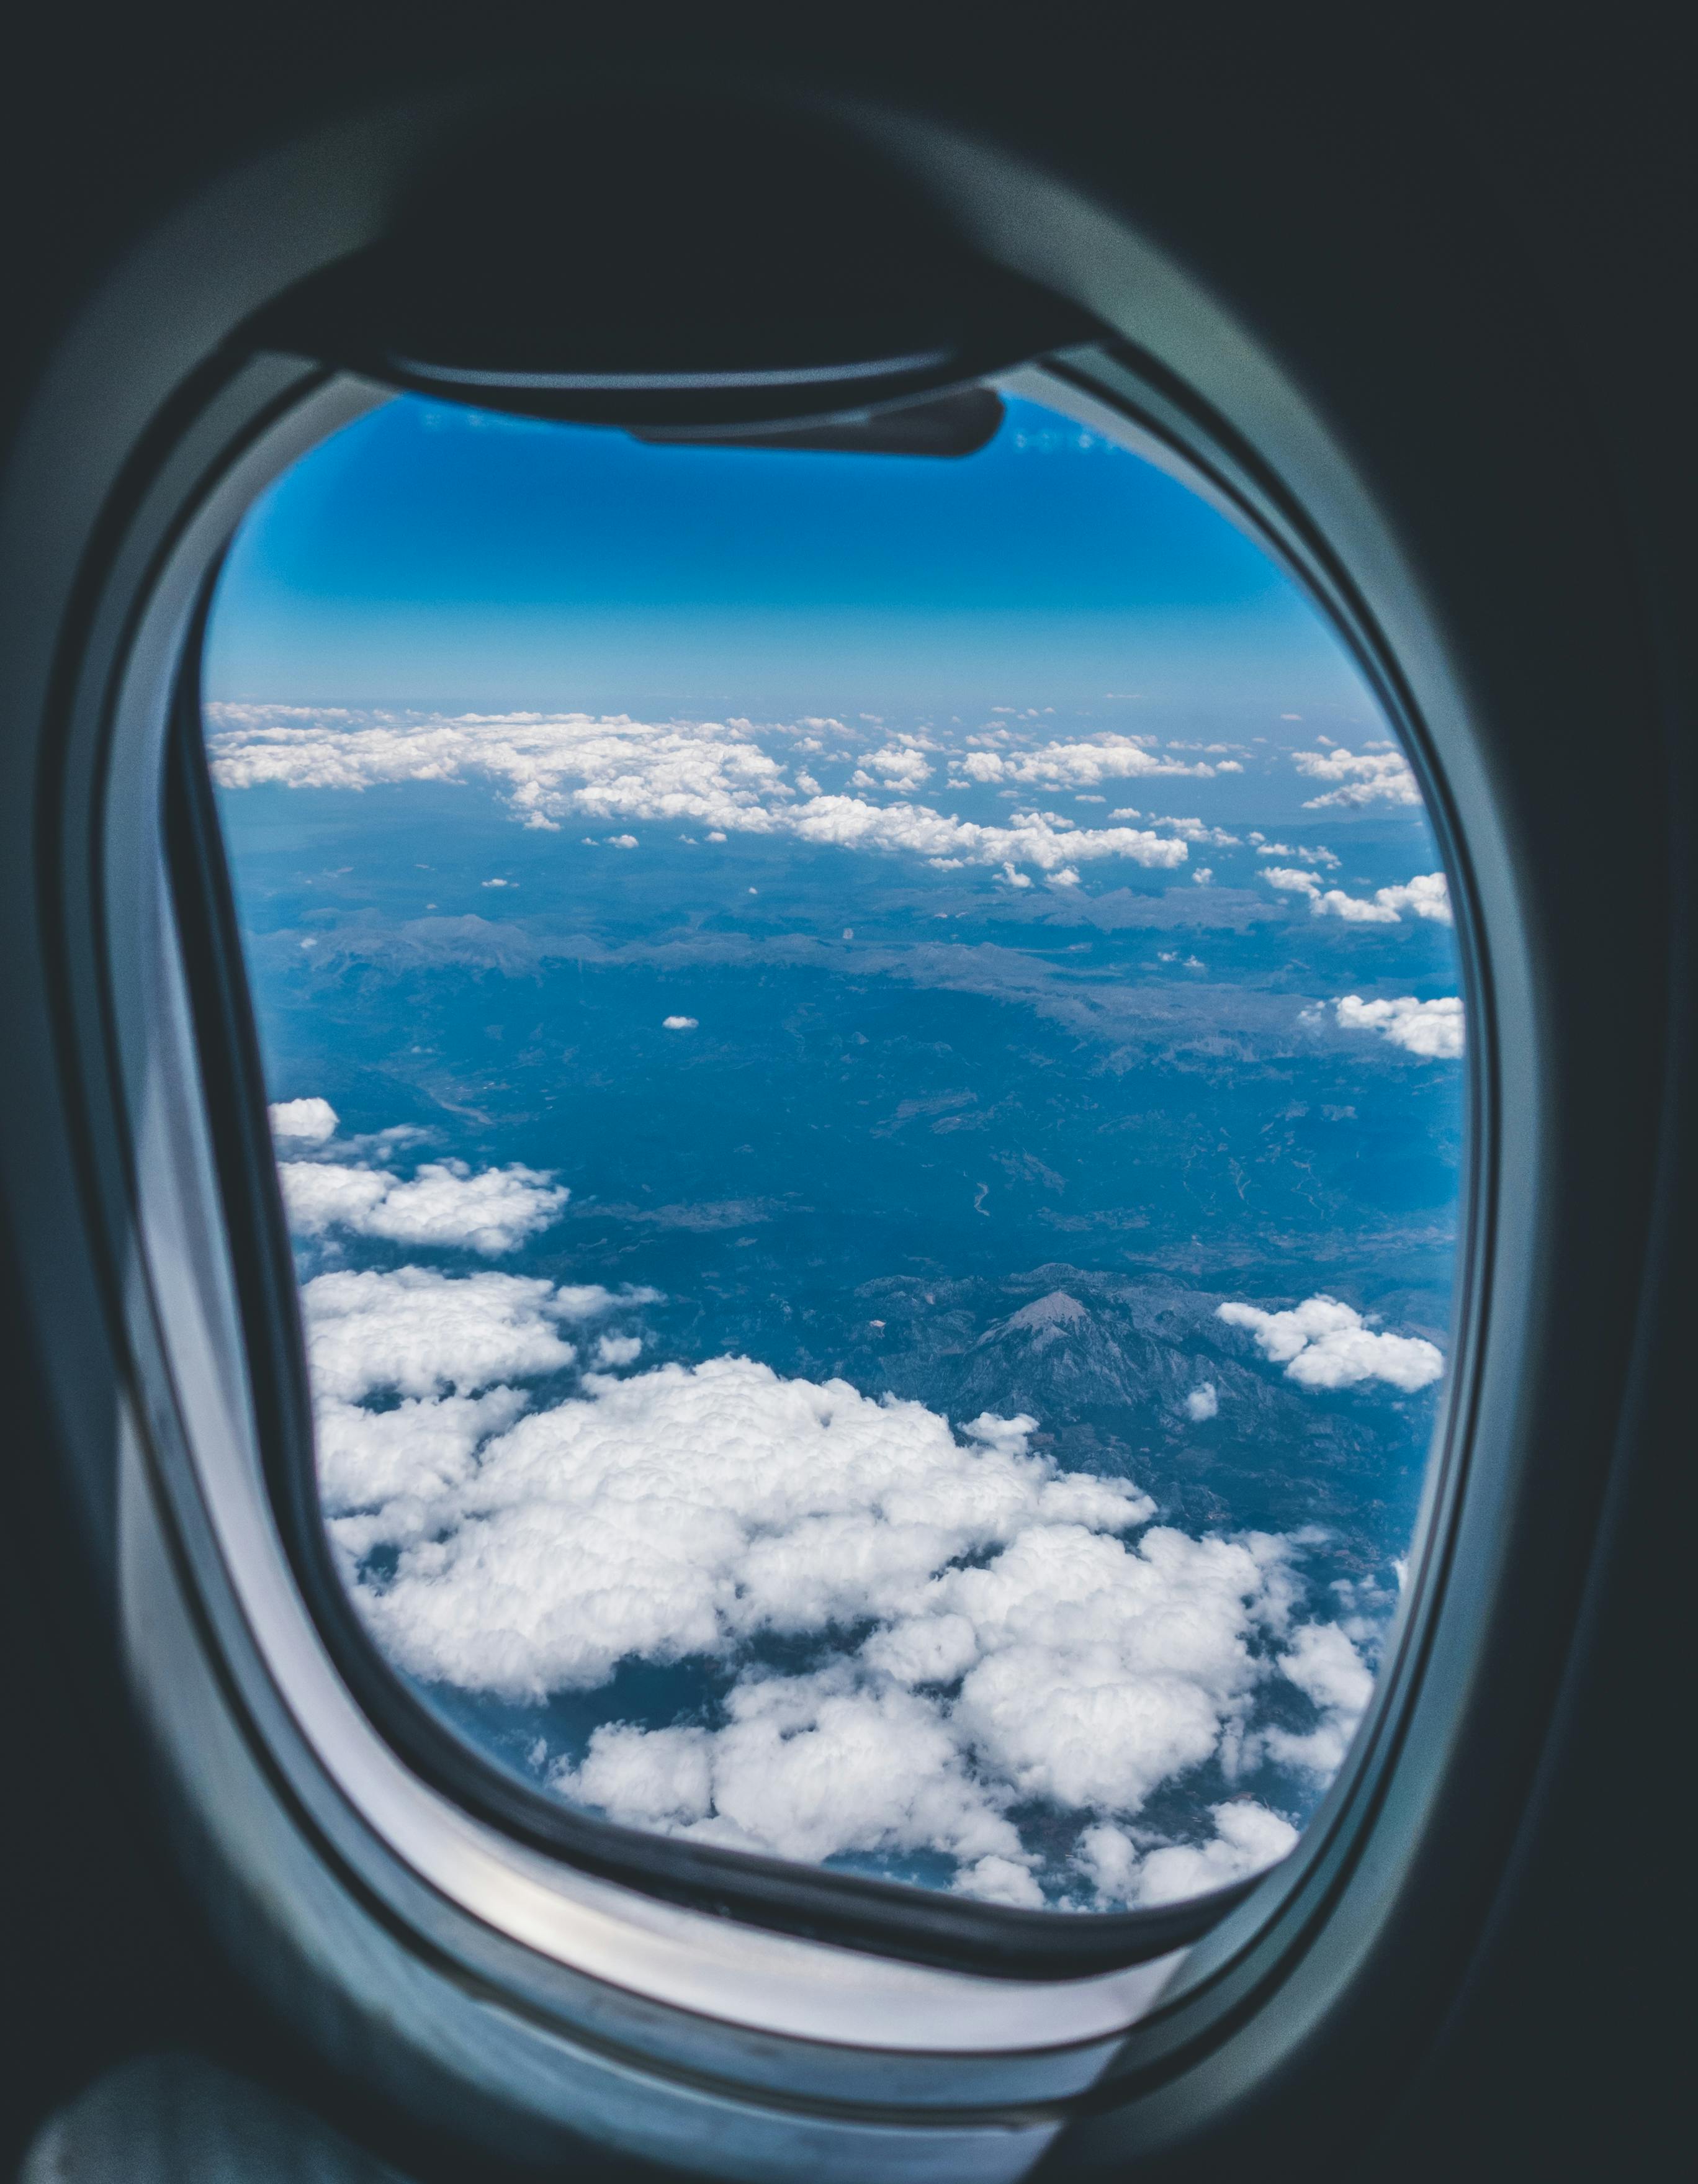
(1355, 909)
(1264, 848)
(1203, 1402)
(1327, 1669)
(1432, 1029)
(1368, 777)
(976, 1630)
(549, 765)
(1073, 765)
(1324, 1344)
(1042, 839)
(1093, 1673)
(1198, 831)
(996, 1880)
(446, 1204)
(893, 767)
(1289, 881)
(806, 1766)
(726, 776)
(681, 1510)
(382, 1474)
(305, 1122)
(1426, 895)
(1248, 1838)
(1106, 1669)
(416, 1333)
(679, 1023)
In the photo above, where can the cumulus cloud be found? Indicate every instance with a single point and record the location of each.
(1331, 1674)
(1368, 777)
(413, 1332)
(1073, 765)
(1324, 1344)
(1355, 909)
(1248, 1838)
(305, 1122)
(1264, 848)
(1042, 839)
(1434, 1030)
(680, 1024)
(1204, 1403)
(1426, 895)
(726, 776)
(683, 1510)
(965, 1627)
(446, 1204)
(1289, 881)
(893, 767)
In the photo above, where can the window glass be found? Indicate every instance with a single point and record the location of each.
(866, 1054)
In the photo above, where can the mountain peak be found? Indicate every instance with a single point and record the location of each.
(1055, 1311)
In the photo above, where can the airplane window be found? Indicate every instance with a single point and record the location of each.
(866, 1054)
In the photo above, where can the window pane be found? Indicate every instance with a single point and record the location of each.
(866, 1055)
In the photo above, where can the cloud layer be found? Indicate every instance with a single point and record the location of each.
(920, 1634)
(719, 775)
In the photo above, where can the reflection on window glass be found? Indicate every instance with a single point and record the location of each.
(866, 1062)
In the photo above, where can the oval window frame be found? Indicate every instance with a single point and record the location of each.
(205, 462)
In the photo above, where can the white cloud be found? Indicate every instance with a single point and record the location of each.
(1327, 1669)
(1291, 881)
(1073, 765)
(1264, 848)
(1426, 895)
(417, 1333)
(1372, 776)
(893, 767)
(1203, 1402)
(996, 1880)
(1355, 910)
(399, 1463)
(445, 1205)
(1434, 1030)
(1042, 838)
(680, 1511)
(1198, 831)
(1248, 1838)
(306, 1122)
(1010, 1642)
(726, 776)
(1324, 1344)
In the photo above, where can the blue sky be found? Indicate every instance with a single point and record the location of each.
(438, 557)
